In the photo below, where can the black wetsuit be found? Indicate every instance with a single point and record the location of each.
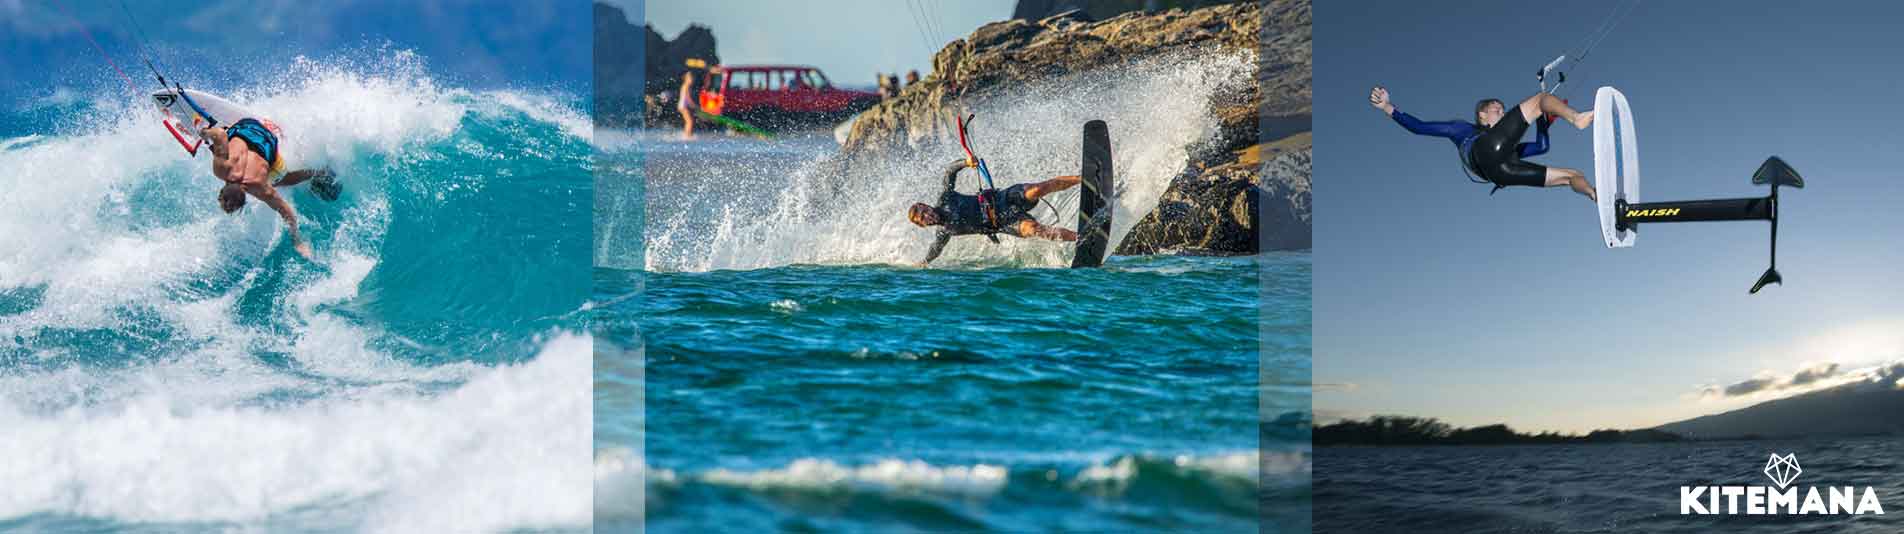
(1496, 154)
(961, 214)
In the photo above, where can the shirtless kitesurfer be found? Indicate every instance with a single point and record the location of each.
(245, 156)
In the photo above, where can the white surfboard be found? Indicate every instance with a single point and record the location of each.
(1616, 162)
(185, 122)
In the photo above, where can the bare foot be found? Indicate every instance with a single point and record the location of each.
(1583, 119)
(304, 249)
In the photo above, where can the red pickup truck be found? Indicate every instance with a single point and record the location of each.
(780, 96)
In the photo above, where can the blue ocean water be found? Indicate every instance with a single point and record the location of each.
(167, 367)
(873, 399)
(1592, 488)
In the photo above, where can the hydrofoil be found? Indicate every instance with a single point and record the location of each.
(1616, 179)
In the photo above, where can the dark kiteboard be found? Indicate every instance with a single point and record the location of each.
(1095, 199)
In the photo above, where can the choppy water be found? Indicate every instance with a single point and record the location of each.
(1590, 488)
(167, 367)
(872, 398)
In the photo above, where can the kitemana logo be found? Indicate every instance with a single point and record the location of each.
(1784, 499)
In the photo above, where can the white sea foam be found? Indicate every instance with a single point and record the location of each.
(887, 475)
(1236, 466)
(507, 449)
(621, 480)
(543, 108)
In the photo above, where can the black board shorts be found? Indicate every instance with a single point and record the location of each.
(1496, 154)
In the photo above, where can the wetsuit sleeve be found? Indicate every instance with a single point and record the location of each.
(1455, 130)
(938, 243)
(952, 174)
(1539, 146)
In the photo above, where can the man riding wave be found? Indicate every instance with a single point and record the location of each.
(245, 156)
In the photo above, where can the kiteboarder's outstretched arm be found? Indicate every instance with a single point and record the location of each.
(952, 175)
(1456, 131)
(271, 198)
(938, 246)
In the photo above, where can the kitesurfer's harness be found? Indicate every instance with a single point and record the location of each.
(988, 196)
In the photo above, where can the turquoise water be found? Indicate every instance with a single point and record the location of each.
(167, 367)
(863, 398)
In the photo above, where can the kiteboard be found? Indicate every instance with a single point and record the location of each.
(188, 111)
(1616, 164)
(1096, 201)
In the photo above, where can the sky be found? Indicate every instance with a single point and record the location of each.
(478, 44)
(1435, 299)
(849, 40)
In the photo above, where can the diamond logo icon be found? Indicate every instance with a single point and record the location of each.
(1783, 469)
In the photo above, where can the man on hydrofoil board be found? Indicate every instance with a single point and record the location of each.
(1490, 146)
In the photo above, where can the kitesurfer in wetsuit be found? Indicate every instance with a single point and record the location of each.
(245, 156)
(961, 214)
(1491, 147)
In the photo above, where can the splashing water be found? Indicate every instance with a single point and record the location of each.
(748, 208)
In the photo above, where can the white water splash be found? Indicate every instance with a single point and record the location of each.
(752, 217)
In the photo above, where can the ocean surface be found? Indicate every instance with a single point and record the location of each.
(166, 367)
(768, 359)
(1591, 488)
(875, 399)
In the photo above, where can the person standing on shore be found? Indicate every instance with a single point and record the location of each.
(687, 113)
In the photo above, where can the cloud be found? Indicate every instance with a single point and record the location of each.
(1773, 382)
(1814, 374)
